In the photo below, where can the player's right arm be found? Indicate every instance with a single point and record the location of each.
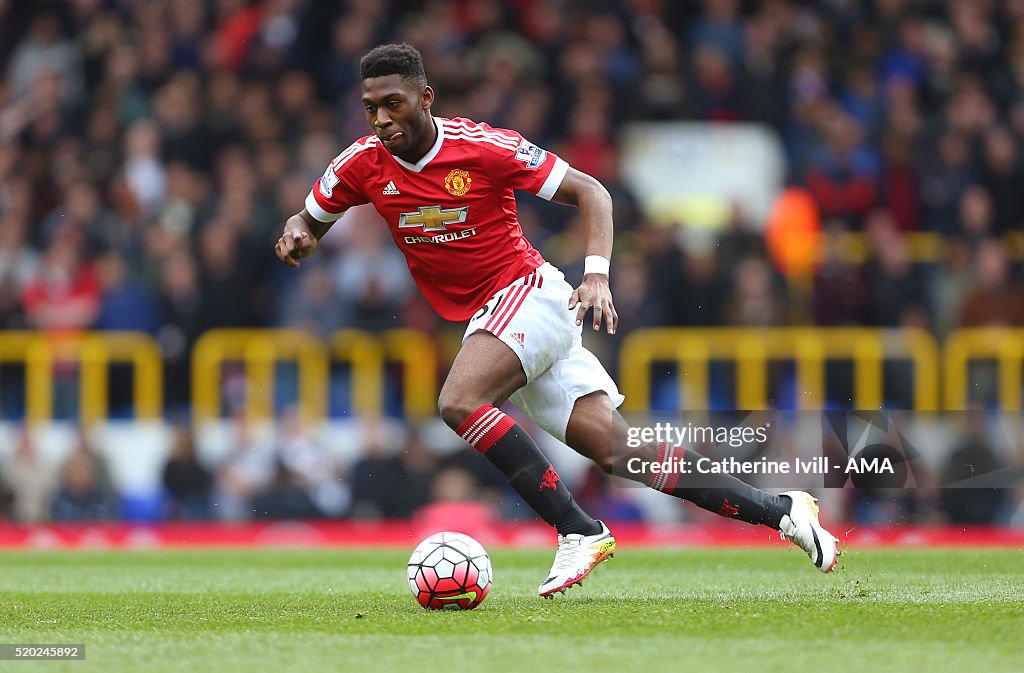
(301, 233)
(338, 190)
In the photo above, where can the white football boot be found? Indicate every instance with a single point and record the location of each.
(801, 527)
(577, 555)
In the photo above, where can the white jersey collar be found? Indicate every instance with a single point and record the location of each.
(426, 158)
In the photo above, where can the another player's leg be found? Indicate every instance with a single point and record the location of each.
(597, 430)
(484, 374)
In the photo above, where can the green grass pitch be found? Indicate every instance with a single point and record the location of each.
(700, 611)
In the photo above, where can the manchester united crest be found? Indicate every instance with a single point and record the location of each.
(458, 181)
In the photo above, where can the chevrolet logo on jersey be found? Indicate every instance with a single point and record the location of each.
(433, 218)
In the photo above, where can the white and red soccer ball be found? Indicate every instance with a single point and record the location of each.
(450, 571)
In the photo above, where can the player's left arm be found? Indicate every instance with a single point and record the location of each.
(595, 206)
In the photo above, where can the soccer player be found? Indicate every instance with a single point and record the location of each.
(445, 188)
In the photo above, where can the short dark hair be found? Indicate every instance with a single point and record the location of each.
(394, 59)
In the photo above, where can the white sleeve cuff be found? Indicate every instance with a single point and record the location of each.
(554, 181)
(318, 213)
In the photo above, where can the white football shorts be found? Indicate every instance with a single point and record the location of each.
(531, 316)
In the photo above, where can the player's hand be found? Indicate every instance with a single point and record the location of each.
(294, 245)
(594, 293)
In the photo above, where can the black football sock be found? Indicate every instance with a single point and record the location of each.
(722, 494)
(511, 450)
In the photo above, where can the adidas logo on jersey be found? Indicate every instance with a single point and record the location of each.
(519, 338)
(391, 190)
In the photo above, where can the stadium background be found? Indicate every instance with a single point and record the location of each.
(774, 165)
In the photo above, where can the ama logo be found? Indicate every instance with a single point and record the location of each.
(870, 449)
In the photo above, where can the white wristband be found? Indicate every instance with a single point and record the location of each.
(595, 264)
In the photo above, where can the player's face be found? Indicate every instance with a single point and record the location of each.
(398, 112)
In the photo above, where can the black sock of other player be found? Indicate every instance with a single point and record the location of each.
(511, 450)
(722, 494)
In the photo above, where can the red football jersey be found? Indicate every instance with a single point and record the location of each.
(453, 213)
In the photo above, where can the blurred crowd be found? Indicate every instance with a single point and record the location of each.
(296, 475)
(150, 151)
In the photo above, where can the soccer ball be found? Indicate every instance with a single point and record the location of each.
(450, 571)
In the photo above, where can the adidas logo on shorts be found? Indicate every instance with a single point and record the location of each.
(519, 338)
